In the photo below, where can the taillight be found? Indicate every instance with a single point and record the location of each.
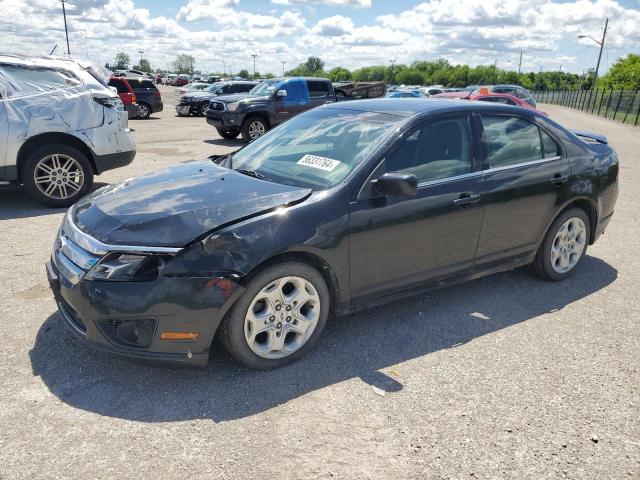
(133, 98)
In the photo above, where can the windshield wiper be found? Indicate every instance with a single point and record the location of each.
(253, 173)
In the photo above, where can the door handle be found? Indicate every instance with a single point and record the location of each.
(559, 179)
(466, 199)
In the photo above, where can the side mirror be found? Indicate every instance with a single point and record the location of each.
(396, 184)
(281, 93)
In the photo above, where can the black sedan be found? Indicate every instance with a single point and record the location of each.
(197, 102)
(343, 207)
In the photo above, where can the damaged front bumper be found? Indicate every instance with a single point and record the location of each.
(130, 318)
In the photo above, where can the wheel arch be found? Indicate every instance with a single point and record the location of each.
(257, 113)
(35, 142)
(310, 258)
(588, 205)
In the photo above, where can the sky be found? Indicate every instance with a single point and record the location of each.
(223, 35)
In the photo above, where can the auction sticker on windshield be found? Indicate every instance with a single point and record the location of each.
(322, 163)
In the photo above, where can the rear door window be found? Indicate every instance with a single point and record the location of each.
(317, 89)
(550, 148)
(121, 87)
(510, 140)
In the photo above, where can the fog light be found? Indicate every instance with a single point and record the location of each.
(193, 336)
(131, 333)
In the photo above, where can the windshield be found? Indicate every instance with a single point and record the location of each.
(266, 88)
(316, 149)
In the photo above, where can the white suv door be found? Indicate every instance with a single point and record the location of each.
(4, 130)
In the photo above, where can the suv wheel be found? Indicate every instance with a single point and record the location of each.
(279, 318)
(57, 175)
(254, 127)
(144, 111)
(564, 246)
(228, 133)
(203, 109)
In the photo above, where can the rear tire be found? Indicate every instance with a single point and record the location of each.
(57, 175)
(254, 127)
(563, 247)
(281, 329)
(230, 134)
(144, 111)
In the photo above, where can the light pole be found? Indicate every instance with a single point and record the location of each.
(253, 55)
(520, 63)
(601, 43)
(392, 62)
(283, 63)
(66, 31)
(140, 52)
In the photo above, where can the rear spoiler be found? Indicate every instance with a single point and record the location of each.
(590, 137)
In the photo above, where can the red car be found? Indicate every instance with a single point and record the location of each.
(126, 94)
(484, 95)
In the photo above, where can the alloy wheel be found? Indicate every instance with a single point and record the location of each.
(256, 129)
(282, 317)
(143, 111)
(568, 245)
(58, 176)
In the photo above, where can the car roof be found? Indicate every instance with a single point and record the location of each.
(409, 107)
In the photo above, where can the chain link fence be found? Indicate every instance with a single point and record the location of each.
(620, 105)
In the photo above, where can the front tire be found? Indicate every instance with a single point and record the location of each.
(57, 175)
(563, 247)
(279, 318)
(254, 127)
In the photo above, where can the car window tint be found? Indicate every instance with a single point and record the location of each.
(522, 93)
(510, 140)
(550, 148)
(437, 150)
(317, 89)
(503, 100)
(119, 84)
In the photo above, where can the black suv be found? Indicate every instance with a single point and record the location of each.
(196, 102)
(268, 104)
(147, 96)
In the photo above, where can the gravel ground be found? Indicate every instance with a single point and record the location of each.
(505, 377)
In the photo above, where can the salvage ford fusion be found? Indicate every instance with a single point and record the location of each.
(342, 207)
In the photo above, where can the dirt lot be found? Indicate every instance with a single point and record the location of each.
(505, 377)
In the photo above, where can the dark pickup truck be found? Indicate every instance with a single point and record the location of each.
(275, 101)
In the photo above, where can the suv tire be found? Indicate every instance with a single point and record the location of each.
(61, 170)
(285, 282)
(144, 110)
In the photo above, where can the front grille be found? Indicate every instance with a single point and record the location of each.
(219, 106)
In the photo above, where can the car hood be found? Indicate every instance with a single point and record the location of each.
(172, 207)
(237, 97)
(198, 95)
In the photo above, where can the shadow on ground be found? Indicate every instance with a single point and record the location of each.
(15, 203)
(226, 142)
(354, 346)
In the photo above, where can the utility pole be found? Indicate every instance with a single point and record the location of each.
(601, 43)
(520, 63)
(253, 55)
(140, 52)
(392, 62)
(66, 31)
(283, 63)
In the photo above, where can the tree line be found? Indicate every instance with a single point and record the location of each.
(624, 73)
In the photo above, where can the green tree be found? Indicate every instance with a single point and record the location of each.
(243, 73)
(184, 63)
(313, 67)
(625, 73)
(339, 73)
(269, 75)
(410, 76)
(145, 66)
(256, 75)
(122, 61)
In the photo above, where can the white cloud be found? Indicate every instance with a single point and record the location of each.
(341, 3)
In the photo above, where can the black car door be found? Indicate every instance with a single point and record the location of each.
(525, 178)
(402, 242)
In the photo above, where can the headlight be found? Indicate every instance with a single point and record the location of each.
(126, 266)
(110, 102)
(232, 107)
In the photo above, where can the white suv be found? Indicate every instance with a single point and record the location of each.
(59, 126)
